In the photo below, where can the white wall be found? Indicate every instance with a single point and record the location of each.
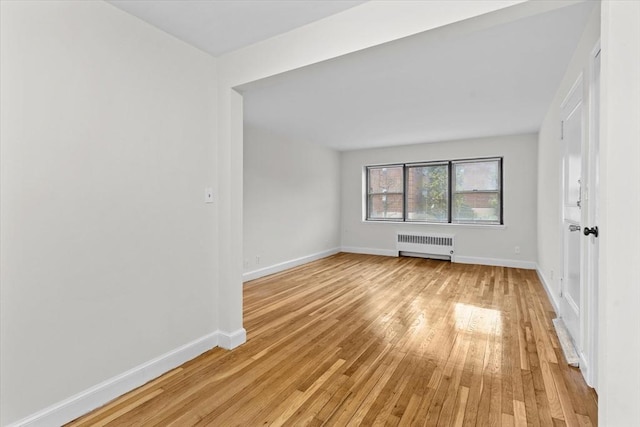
(619, 267)
(108, 251)
(619, 373)
(291, 202)
(477, 244)
(367, 25)
(550, 162)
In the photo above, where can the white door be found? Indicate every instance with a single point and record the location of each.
(579, 288)
(572, 138)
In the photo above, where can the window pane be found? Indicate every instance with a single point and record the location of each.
(385, 206)
(476, 207)
(385, 193)
(477, 176)
(385, 180)
(427, 193)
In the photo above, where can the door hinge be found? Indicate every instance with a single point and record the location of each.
(561, 129)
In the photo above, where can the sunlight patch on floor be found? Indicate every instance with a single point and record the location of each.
(484, 320)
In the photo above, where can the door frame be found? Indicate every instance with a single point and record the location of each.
(587, 339)
(591, 218)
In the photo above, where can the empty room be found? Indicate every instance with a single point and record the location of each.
(319, 213)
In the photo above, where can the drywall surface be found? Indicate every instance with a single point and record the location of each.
(108, 249)
(291, 200)
(366, 25)
(619, 290)
(550, 153)
(481, 244)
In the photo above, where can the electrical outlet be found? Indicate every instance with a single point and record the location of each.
(517, 249)
(257, 259)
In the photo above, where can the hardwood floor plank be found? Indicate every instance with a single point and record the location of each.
(530, 403)
(463, 394)
(135, 404)
(289, 406)
(565, 400)
(520, 415)
(369, 340)
(508, 420)
(117, 405)
(389, 398)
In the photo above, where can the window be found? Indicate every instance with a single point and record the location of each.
(455, 191)
(476, 191)
(428, 192)
(385, 194)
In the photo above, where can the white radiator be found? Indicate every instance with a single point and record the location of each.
(427, 245)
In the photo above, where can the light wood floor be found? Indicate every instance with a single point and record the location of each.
(367, 340)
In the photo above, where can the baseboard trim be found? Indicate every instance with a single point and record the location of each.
(528, 265)
(100, 394)
(277, 268)
(545, 285)
(369, 251)
(231, 340)
(512, 263)
(584, 369)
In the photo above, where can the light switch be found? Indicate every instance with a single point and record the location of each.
(208, 195)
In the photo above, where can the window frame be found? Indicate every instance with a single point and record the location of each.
(367, 194)
(498, 191)
(450, 191)
(407, 167)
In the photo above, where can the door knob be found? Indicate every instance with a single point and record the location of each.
(592, 230)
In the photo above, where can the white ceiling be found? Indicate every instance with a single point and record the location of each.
(440, 85)
(495, 81)
(220, 26)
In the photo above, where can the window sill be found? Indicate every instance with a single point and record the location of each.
(439, 224)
